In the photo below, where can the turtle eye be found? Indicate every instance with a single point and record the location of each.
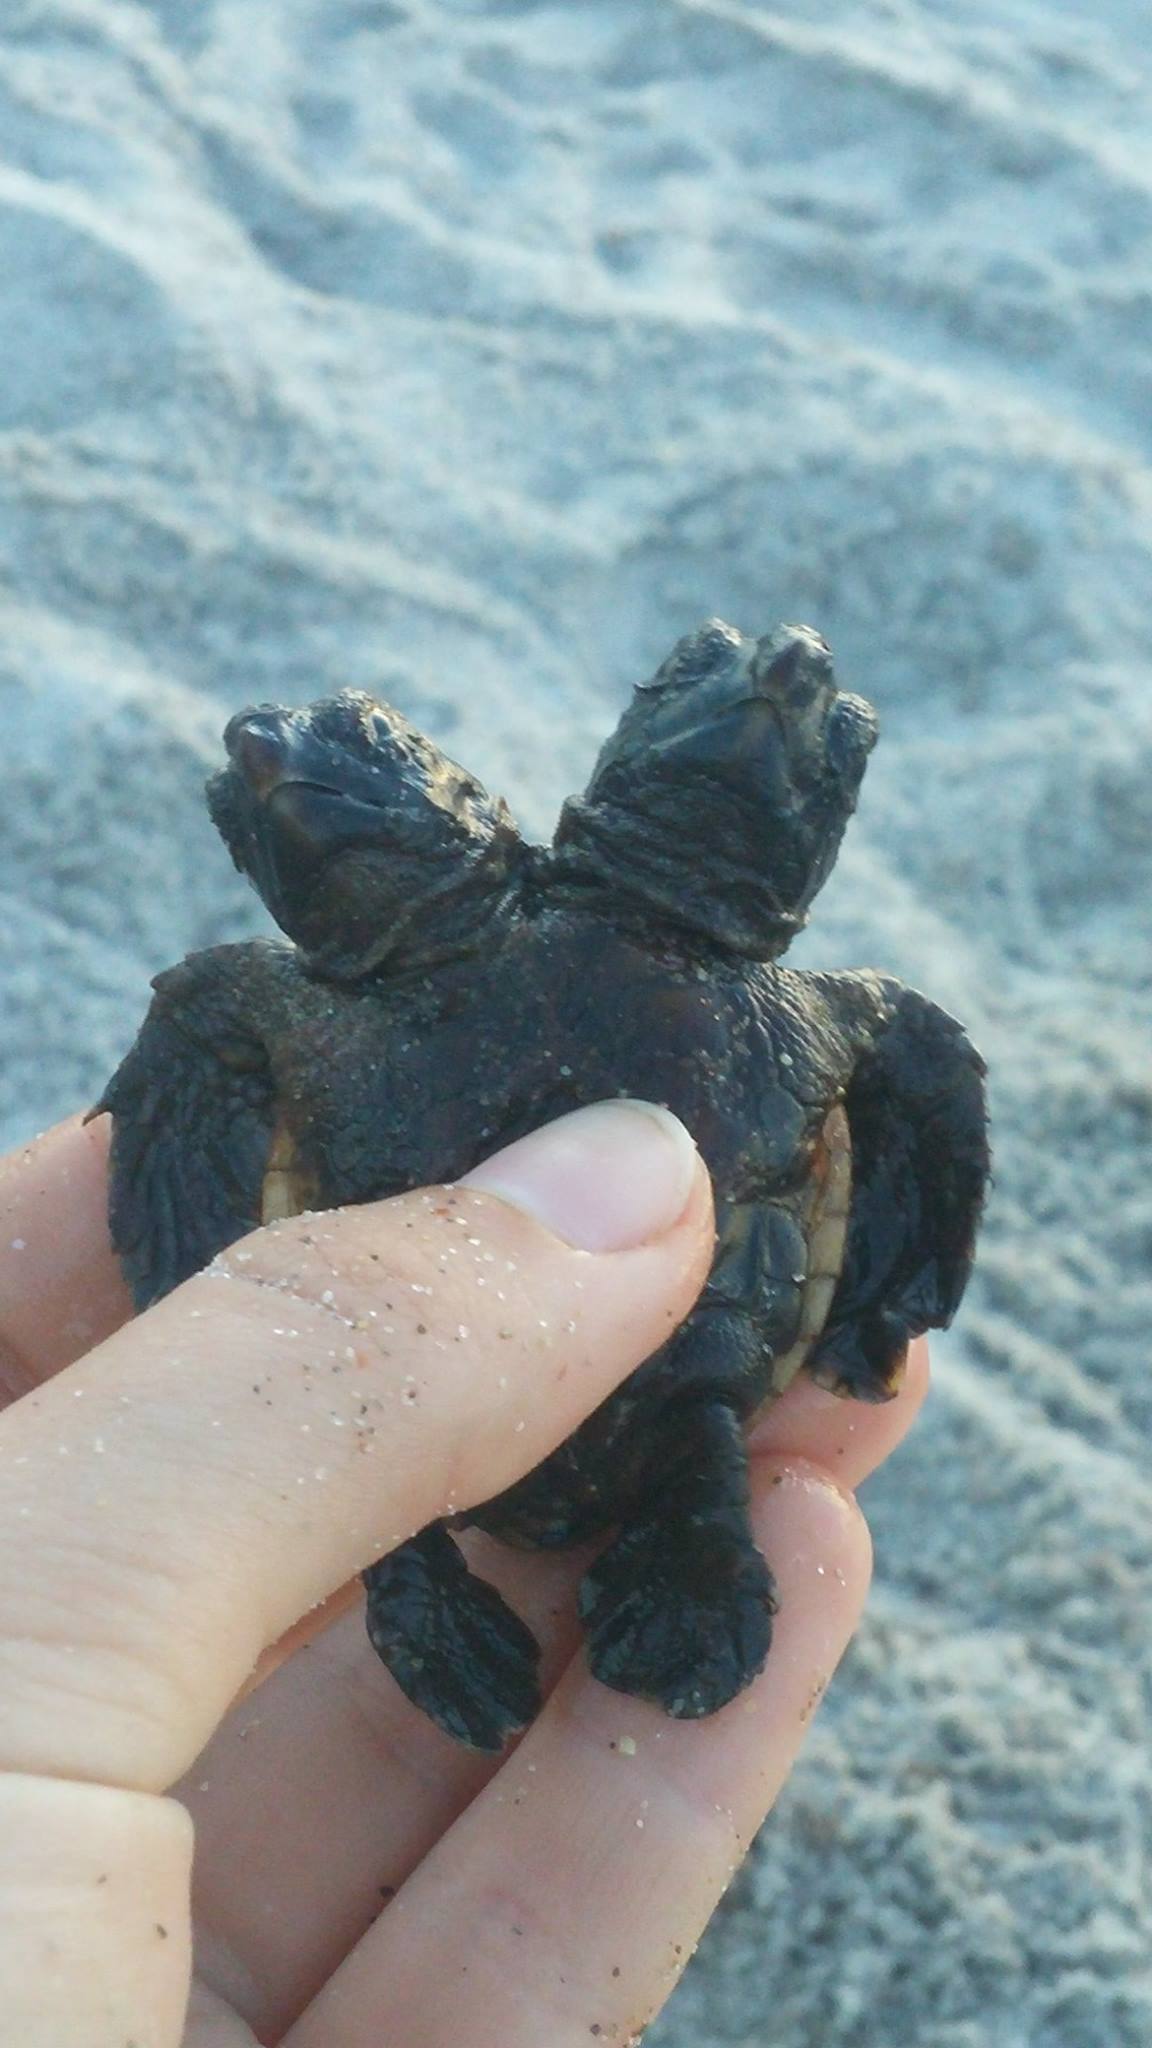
(353, 722)
(850, 737)
(696, 656)
(377, 730)
(366, 730)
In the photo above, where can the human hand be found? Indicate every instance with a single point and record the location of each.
(178, 1497)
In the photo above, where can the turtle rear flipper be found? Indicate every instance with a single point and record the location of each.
(193, 1125)
(451, 1642)
(678, 1608)
(916, 1112)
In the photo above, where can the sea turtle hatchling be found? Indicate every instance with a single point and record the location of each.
(448, 988)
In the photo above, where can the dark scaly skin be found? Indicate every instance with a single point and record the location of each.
(385, 1049)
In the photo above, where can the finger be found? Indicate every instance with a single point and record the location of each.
(849, 1439)
(564, 1903)
(61, 1290)
(236, 1454)
(323, 1794)
(93, 1915)
(320, 1794)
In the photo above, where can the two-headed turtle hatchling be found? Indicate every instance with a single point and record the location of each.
(449, 988)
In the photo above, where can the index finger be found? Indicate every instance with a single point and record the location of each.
(61, 1289)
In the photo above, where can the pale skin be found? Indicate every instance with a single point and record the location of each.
(187, 1499)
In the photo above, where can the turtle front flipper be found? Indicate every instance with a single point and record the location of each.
(193, 1122)
(678, 1609)
(920, 1164)
(451, 1643)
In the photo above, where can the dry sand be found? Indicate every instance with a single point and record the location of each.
(471, 352)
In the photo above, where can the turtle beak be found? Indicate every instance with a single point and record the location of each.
(260, 748)
(792, 667)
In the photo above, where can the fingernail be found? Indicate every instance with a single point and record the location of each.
(603, 1179)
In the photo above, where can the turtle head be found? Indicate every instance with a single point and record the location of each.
(366, 843)
(721, 799)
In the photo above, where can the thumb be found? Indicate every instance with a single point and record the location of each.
(188, 1490)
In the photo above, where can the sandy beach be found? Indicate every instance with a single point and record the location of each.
(470, 351)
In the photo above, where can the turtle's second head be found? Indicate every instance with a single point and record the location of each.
(721, 798)
(366, 843)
